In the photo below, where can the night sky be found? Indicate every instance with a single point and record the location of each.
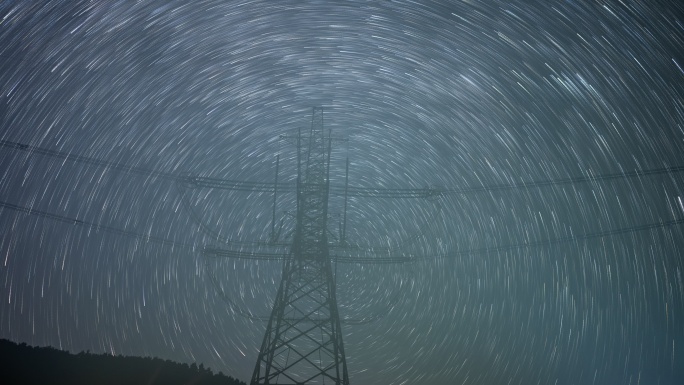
(514, 280)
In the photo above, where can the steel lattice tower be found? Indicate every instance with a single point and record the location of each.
(303, 339)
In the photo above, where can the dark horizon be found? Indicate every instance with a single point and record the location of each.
(39, 365)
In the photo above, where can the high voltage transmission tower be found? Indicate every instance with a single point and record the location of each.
(303, 339)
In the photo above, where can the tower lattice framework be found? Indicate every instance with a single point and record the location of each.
(303, 339)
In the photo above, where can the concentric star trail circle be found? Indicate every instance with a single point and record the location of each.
(448, 95)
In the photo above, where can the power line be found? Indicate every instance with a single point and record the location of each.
(237, 254)
(476, 251)
(556, 182)
(211, 252)
(97, 227)
(353, 191)
(91, 161)
(555, 241)
(217, 183)
(362, 192)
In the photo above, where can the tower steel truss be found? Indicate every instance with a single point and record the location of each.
(303, 339)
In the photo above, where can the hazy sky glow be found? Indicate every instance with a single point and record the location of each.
(453, 95)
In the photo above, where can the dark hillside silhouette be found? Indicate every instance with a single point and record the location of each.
(23, 364)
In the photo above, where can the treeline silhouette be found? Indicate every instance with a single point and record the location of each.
(23, 364)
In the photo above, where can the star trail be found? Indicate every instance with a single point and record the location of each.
(516, 182)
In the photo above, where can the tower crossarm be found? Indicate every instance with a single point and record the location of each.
(213, 252)
(361, 192)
